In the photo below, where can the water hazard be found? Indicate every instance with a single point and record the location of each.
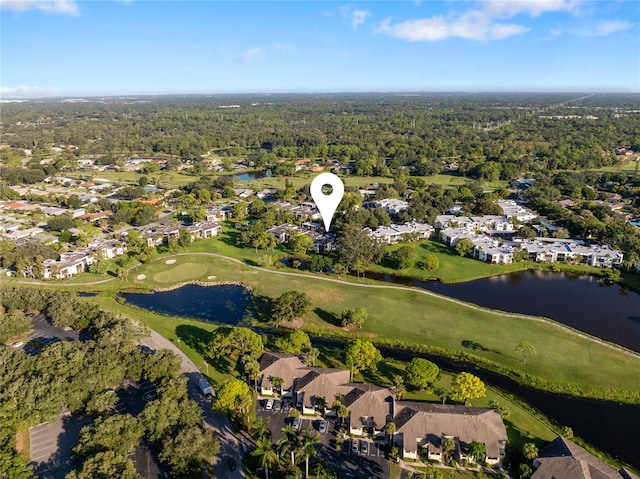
(226, 304)
(610, 312)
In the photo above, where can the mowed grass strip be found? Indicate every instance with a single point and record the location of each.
(414, 317)
(177, 272)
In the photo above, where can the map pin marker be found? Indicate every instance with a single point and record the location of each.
(327, 204)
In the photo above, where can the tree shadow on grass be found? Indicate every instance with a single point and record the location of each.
(384, 374)
(327, 317)
(198, 340)
(470, 344)
(438, 248)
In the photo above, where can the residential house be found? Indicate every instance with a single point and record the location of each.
(242, 192)
(370, 407)
(289, 367)
(108, 249)
(319, 383)
(218, 213)
(512, 209)
(492, 251)
(322, 243)
(283, 232)
(392, 205)
(407, 231)
(204, 229)
(563, 459)
(69, 264)
(423, 426)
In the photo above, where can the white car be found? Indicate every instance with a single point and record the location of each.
(322, 427)
(269, 405)
(18, 344)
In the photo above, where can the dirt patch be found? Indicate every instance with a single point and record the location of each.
(140, 277)
(297, 324)
(170, 261)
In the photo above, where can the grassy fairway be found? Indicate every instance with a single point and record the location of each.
(414, 317)
(168, 179)
(447, 181)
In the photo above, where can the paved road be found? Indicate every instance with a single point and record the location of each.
(231, 444)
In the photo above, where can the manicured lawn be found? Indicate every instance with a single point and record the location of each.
(453, 267)
(448, 181)
(414, 316)
(168, 179)
(628, 167)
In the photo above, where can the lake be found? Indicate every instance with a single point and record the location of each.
(252, 175)
(610, 312)
(225, 304)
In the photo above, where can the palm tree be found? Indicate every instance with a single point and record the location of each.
(448, 445)
(308, 448)
(289, 442)
(267, 455)
(261, 429)
(277, 383)
(478, 450)
(311, 355)
(530, 451)
(390, 429)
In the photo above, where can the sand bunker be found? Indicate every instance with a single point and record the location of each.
(170, 261)
(141, 276)
(212, 277)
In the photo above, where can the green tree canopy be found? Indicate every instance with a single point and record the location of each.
(354, 318)
(289, 306)
(421, 373)
(362, 354)
(226, 395)
(466, 386)
(464, 247)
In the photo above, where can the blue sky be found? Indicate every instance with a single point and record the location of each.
(67, 47)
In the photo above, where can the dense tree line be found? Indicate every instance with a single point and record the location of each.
(379, 134)
(81, 376)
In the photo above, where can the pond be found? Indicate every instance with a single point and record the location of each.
(608, 311)
(225, 304)
(252, 175)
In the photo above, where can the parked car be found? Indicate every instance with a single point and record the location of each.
(269, 405)
(18, 344)
(364, 447)
(277, 405)
(354, 446)
(286, 406)
(322, 427)
(296, 423)
(232, 464)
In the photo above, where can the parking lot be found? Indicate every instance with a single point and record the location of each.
(345, 461)
(51, 446)
(44, 334)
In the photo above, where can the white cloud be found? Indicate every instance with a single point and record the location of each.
(358, 17)
(249, 55)
(69, 7)
(478, 23)
(533, 8)
(25, 91)
(612, 26)
(355, 17)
